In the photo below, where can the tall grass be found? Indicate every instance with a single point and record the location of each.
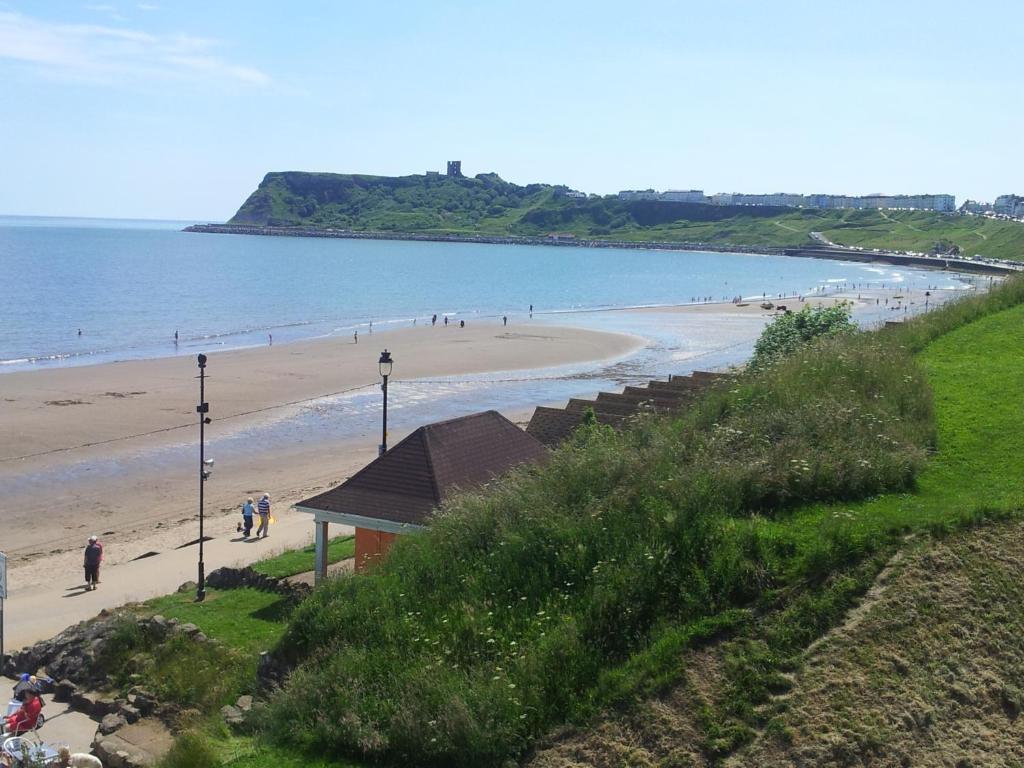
(508, 614)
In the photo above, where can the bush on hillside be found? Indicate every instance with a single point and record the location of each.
(790, 331)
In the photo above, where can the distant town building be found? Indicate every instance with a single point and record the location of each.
(973, 206)
(563, 191)
(433, 173)
(683, 196)
(1009, 205)
(943, 203)
(637, 194)
(455, 168)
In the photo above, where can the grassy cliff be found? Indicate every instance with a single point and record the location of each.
(488, 205)
(576, 587)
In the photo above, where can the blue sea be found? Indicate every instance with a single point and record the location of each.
(130, 285)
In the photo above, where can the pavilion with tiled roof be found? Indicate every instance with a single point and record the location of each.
(397, 492)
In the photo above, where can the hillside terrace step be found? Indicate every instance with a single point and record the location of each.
(645, 401)
(687, 385)
(672, 396)
(621, 410)
(551, 426)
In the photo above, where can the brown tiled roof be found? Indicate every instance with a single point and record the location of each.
(410, 480)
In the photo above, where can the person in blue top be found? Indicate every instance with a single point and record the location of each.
(248, 510)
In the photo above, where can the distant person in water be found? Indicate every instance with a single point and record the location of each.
(531, 310)
(446, 319)
(175, 335)
(270, 339)
(355, 337)
(504, 319)
(79, 331)
(433, 320)
(371, 327)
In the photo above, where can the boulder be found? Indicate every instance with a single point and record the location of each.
(135, 746)
(129, 713)
(244, 703)
(64, 691)
(115, 721)
(232, 715)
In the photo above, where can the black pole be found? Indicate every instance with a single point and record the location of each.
(202, 410)
(384, 431)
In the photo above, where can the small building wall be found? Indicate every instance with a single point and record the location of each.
(371, 546)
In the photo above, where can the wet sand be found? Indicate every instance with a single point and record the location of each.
(57, 419)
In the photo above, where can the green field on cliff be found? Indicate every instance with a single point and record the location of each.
(488, 205)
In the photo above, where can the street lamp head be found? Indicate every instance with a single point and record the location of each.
(202, 360)
(384, 364)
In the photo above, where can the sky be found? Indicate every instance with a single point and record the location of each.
(176, 110)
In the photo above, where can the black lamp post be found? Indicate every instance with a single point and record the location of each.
(205, 466)
(384, 366)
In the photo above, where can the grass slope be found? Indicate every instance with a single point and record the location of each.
(726, 694)
(302, 560)
(488, 205)
(927, 675)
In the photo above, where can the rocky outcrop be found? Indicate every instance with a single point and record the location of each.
(138, 745)
(234, 578)
(75, 656)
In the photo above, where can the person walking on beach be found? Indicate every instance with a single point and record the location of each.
(264, 510)
(433, 320)
(175, 337)
(355, 337)
(462, 323)
(446, 320)
(92, 560)
(504, 319)
(248, 510)
(270, 339)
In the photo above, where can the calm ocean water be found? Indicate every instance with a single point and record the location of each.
(129, 285)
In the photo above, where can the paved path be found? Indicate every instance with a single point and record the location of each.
(40, 611)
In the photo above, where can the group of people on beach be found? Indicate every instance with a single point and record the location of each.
(249, 511)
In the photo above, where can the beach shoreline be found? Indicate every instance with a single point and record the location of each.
(60, 424)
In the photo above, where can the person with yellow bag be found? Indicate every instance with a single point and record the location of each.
(263, 507)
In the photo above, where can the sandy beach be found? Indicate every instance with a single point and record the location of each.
(59, 417)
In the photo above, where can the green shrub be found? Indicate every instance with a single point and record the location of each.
(191, 750)
(789, 331)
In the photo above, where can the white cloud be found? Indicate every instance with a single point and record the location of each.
(114, 54)
(107, 10)
(148, 7)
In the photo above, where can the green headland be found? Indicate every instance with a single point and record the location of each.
(486, 205)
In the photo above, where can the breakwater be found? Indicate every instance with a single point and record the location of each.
(813, 252)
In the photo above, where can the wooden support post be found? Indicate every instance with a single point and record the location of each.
(320, 566)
